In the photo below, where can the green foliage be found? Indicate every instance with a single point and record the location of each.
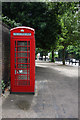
(74, 50)
(10, 22)
(2, 86)
(67, 29)
(50, 57)
(56, 24)
(38, 15)
(55, 56)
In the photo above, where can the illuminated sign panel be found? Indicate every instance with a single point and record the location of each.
(22, 34)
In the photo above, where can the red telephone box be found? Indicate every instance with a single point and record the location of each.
(22, 53)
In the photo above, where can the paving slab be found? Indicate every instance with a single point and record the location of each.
(56, 94)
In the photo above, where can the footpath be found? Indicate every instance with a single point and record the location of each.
(56, 94)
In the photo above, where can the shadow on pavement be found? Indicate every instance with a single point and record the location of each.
(18, 102)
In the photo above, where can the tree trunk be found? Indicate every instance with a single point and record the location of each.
(42, 56)
(53, 56)
(63, 59)
(45, 57)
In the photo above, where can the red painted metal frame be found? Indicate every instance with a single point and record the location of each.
(22, 88)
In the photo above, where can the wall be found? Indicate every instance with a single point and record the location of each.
(5, 54)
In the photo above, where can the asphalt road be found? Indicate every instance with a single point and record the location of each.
(56, 94)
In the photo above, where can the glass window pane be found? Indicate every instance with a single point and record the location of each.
(22, 48)
(22, 77)
(22, 54)
(23, 66)
(22, 43)
(22, 60)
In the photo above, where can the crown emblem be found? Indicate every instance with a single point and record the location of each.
(22, 30)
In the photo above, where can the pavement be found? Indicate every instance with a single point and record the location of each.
(0, 67)
(56, 94)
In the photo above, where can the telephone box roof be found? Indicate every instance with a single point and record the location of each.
(22, 27)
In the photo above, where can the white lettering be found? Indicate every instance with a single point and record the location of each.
(22, 34)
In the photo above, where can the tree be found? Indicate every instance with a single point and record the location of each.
(55, 23)
(51, 29)
(41, 16)
(68, 22)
